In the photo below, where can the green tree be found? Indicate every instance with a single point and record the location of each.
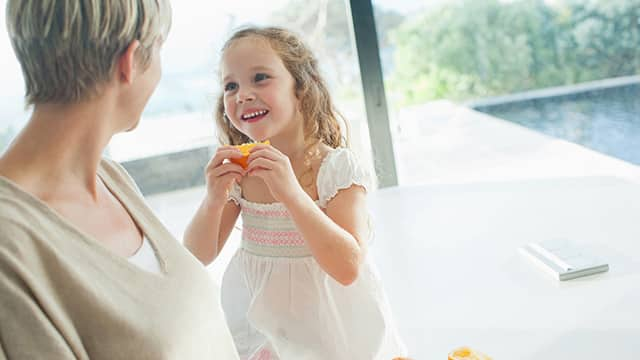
(607, 38)
(478, 48)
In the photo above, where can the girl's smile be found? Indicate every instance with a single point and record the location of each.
(253, 116)
(259, 92)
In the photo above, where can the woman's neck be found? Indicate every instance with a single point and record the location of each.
(61, 146)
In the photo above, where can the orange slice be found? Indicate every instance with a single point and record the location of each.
(465, 353)
(245, 149)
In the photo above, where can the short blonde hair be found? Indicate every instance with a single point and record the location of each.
(68, 48)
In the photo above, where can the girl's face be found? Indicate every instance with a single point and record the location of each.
(259, 92)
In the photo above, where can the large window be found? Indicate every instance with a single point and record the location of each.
(12, 113)
(179, 116)
(564, 68)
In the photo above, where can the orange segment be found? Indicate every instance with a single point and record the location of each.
(465, 353)
(245, 149)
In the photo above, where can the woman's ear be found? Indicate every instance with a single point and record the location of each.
(127, 64)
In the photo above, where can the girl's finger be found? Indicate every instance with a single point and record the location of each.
(222, 154)
(266, 153)
(259, 146)
(229, 178)
(228, 168)
(258, 172)
(229, 152)
(261, 163)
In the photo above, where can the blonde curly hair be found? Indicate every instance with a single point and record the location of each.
(320, 116)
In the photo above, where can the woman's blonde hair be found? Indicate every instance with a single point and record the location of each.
(69, 48)
(320, 116)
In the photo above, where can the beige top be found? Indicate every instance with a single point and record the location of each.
(63, 295)
(145, 258)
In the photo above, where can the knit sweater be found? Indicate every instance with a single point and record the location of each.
(63, 295)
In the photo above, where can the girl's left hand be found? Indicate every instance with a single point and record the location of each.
(274, 168)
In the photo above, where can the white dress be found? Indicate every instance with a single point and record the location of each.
(280, 304)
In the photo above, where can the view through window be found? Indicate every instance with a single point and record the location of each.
(565, 68)
(179, 115)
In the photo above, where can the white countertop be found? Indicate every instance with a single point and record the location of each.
(448, 255)
(475, 189)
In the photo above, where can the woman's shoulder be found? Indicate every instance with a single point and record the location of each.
(25, 222)
(18, 241)
(113, 169)
(17, 211)
(116, 174)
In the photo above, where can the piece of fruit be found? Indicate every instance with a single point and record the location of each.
(245, 149)
(465, 353)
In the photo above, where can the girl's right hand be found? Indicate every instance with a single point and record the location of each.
(221, 175)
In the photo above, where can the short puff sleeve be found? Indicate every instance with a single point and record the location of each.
(340, 169)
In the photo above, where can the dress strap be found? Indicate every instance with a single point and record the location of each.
(235, 194)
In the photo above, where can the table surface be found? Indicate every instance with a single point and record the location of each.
(449, 259)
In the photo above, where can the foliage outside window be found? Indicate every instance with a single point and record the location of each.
(479, 48)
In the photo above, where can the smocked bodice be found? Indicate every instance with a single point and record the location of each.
(268, 230)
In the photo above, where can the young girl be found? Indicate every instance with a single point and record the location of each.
(300, 286)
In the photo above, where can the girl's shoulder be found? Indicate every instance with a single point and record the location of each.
(340, 169)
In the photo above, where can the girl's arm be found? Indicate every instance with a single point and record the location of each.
(335, 237)
(209, 229)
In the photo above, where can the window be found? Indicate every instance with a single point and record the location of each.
(12, 113)
(563, 68)
(177, 129)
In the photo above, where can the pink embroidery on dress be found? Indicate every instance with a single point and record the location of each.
(263, 354)
(266, 213)
(275, 238)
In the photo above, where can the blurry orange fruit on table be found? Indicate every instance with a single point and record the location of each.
(245, 149)
(465, 353)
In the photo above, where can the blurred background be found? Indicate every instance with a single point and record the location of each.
(509, 120)
(565, 68)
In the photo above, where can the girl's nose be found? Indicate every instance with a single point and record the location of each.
(244, 96)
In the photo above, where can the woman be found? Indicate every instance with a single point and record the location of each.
(86, 270)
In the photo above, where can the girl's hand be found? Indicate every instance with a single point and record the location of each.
(274, 168)
(221, 175)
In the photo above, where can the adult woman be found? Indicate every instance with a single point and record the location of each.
(70, 221)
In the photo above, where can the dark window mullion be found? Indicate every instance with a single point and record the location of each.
(366, 40)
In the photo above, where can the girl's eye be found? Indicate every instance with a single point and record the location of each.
(260, 77)
(230, 86)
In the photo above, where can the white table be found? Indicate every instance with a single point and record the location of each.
(448, 256)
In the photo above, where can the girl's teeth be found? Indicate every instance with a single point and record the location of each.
(252, 115)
